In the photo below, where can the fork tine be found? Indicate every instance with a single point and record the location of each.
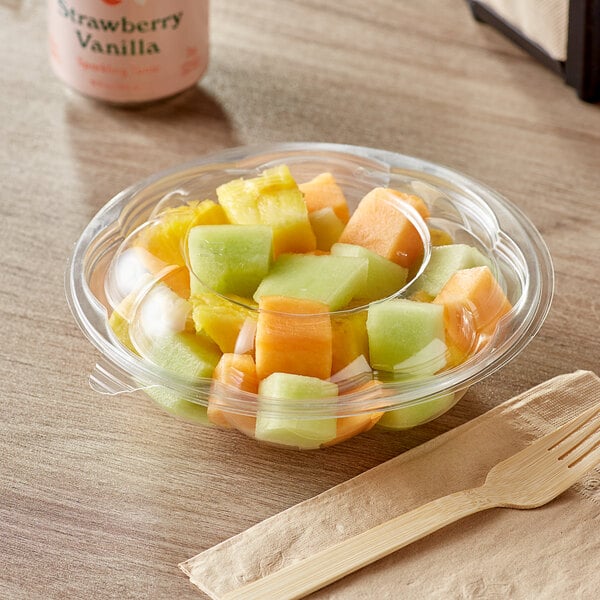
(587, 453)
(574, 431)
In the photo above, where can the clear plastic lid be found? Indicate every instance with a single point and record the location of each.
(128, 297)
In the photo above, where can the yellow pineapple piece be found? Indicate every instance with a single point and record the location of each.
(326, 226)
(120, 327)
(349, 338)
(439, 237)
(421, 296)
(220, 318)
(165, 237)
(274, 199)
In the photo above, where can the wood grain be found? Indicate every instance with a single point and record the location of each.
(103, 496)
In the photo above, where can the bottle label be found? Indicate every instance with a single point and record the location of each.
(128, 50)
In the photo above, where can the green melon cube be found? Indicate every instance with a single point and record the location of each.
(333, 280)
(229, 259)
(418, 413)
(444, 262)
(287, 414)
(170, 402)
(399, 329)
(190, 356)
(384, 276)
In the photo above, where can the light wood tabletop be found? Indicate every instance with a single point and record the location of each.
(102, 496)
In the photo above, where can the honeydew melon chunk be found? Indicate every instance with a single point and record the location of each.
(326, 226)
(170, 402)
(274, 199)
(399, 329)
(443, 263)
(229, 259)
(163, 236)
(416, 414)
(426, 361)
(384, 276)
(332, 280)
(189, 355)
(299, 428)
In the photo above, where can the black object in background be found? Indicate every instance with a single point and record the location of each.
(581, 69)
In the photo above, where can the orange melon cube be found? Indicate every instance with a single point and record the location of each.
(136, 262)
(322, 192)
(348, 427)
(293, 335)
(379, 225)
(237, 371)
(473, 304)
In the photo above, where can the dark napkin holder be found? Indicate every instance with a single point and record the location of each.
(581, 69)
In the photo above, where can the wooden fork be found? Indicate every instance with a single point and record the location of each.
(528, 479)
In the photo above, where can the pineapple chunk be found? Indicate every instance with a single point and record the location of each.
(272, 199)
(165, 237)
(220, 318)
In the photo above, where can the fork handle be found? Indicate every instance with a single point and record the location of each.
(310, 574)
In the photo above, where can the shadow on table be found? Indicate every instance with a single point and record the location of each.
(113, 146)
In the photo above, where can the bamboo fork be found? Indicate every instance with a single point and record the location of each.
(528, 479)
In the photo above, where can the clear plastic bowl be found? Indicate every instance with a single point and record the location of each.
(468, 211)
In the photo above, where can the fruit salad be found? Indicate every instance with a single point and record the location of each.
(292, 305)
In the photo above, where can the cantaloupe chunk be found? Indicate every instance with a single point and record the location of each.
(379, 225)
(293, 335)
(348, 427)
(272, 199)
(237, 371)
(131, 270)
(443, 262)
(473, 304)
(324, 191)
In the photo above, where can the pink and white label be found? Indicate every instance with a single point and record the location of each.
(128, 51)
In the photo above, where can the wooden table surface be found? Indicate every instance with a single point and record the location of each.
(100, 496)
